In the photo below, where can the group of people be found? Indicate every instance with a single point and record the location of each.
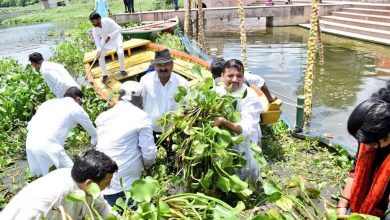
(125, 136)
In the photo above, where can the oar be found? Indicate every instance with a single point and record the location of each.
(93, 63)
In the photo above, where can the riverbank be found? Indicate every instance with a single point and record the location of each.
(75, 12)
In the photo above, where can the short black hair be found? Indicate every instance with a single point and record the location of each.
(73, 92)
(94, 16)
(217, 67)
(35, 57)
(369, 122)
(234, 63)
(94, 165)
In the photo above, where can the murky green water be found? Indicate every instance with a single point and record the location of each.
(19, 41)
(352, 71)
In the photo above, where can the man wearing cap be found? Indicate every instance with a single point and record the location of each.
(107, 36)
(159, 87)
(125, 134)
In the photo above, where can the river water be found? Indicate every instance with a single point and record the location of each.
(353, 70)
(19, 41)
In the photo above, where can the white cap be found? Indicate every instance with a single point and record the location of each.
(131, 88)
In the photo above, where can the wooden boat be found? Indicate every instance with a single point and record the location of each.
(144, 31)
(138, 56)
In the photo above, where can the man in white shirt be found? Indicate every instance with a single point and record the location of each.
(250, 109)
(107, 36)
(258, 81)
(159, 87)
(125, 134)
(43, 198)
(55, 75)
(48, 130)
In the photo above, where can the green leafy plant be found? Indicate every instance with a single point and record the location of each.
(205, 154)
(170, 41)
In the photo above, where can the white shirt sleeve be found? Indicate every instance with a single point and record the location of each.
(146, 144)
(102, 207)
(254, 79)
(51, 81)
(96, 38)
(250, 114)
(82, 118)
(117, 31)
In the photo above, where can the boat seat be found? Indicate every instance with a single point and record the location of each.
(127, 46)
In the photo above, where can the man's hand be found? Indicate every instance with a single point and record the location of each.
(108, 39)
(98, 55)
(219, 121)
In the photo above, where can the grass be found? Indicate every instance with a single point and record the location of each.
(75, 11)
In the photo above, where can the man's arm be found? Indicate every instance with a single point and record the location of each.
(223, 122)
(147, 146)
(267, 93)
(82, 118)
(96, 38)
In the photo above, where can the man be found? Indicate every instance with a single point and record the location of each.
(107, 36)
(42, 198)
(176, 4)
(101, 7)
(125, 134)
(250, 109)
(159, 87)
(256, 80)
(48, 130)
(55, 75)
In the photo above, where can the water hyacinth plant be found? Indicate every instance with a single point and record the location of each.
(206, 158)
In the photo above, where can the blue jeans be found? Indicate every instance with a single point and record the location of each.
(176, 3)
(111, 199)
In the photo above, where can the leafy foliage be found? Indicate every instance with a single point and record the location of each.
(170, 41)
(13, 3)
(21, 90)
(205, 154)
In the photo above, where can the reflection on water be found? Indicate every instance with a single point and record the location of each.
(20, 41)
(352, 71)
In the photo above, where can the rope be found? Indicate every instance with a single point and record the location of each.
(294, 105)
(283, 96)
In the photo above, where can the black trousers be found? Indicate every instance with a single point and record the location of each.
(130, 6)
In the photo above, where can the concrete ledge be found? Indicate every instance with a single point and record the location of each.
(225, 19)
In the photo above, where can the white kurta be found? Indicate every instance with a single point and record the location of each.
(48, 130)
(57, 78)
(254, 79)
(109, 28)
(38, 199)
(125, 134)
(250, 108)
(158, 99)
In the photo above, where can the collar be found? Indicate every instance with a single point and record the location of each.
(156, 79)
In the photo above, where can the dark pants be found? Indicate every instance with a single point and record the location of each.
(176, 4)
(125, 3)
(111, 199)
(129, 5)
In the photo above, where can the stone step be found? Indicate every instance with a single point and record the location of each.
(367, 11)
(373, 6)
(356, 29)
(348, 34)
(366, 17)
(357, 22)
